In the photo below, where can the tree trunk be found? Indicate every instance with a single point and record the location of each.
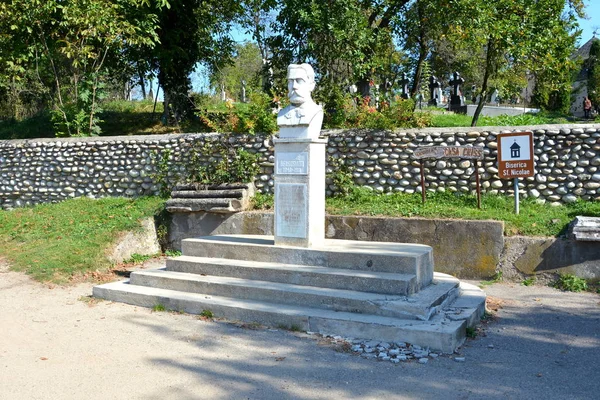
(484, 86)
(167, 108)
(364, 87)
(418, 73)
(422, 55)
(142, 84)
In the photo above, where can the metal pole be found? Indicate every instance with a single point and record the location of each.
(516, 186)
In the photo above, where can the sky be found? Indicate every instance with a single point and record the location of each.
(592, 23)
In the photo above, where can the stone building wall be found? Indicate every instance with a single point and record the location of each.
(49, 170)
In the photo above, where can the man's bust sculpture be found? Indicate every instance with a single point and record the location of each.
(303, 117)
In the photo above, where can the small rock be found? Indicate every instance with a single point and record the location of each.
(423, 360)
(490, 346)
(459, 359)
(434, 355)
(357, 348)
(394, 360)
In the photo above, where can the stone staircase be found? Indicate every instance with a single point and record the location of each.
(369, 290)
(223, 198)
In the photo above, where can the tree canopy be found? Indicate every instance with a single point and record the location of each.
(67, 56)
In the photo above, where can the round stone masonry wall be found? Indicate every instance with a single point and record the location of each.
(36, 171)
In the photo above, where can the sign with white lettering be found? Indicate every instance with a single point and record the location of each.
(291, 163)
(448, 152)
(291, 210)
(515, 155)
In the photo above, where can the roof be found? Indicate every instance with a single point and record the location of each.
(584, 51)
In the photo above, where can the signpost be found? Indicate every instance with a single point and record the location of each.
(469, 152)
(515, 159)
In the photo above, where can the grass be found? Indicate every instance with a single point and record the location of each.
(528, 281)
(158, 308)
(122, 117)
(458, 120)
(39, 126)
(139, 258)
(494, 279)
(61, 242)
(56, 242)
(533, 220)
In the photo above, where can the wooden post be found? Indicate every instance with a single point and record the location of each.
(478, 186)
(422, 181)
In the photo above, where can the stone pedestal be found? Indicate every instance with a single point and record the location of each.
(299, 191)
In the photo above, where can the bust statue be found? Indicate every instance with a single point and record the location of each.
(303, 117)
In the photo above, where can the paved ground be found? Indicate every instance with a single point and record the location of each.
(544, 345)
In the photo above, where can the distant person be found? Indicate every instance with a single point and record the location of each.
(587, 107)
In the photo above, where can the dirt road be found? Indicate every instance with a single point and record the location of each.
(56, 344)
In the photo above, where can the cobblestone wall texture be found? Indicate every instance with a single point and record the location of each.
(567, 159)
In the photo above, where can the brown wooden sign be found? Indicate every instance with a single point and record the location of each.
(448, 152)
(475, 153)
(515, 155)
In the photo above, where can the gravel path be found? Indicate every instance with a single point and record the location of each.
(56, 344)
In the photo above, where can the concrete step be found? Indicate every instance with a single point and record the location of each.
(421, 306)
(440, 334)
(209, 194)
(333, 278)
(400, 258)
(208, 204)
(468, 306)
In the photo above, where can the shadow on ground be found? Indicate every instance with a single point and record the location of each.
(544, 344)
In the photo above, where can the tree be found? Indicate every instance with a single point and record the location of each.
(593, 82)
(514, 34)
(245, 70)
(420, 26)
(257, 17)
(343, 39)
(67, 45)
(189, 32)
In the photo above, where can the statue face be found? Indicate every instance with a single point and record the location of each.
(299, 86)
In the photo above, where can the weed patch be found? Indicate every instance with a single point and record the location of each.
(138, 258)
(528, 281)
(172, 253)
(497, 277)
(158, 308)
(571, 283)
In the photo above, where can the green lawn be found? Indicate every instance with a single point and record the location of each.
(54, 242)
(57, 242)
(533, 220)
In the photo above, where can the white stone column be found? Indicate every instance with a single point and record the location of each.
(299, 191)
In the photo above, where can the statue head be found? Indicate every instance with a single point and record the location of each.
(301, 82)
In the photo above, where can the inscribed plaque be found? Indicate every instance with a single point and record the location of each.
(290, 208)
(291, 163)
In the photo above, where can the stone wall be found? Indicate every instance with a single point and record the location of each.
(48, 170)
(465, 249)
